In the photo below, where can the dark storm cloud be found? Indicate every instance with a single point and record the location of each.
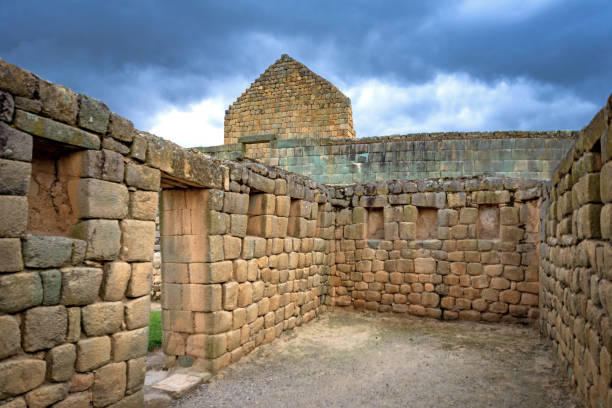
(141, 55)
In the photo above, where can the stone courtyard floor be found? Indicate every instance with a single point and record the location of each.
(353, 359)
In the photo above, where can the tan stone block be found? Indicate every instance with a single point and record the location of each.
(137, 240)
(76, 400)
(80, 286)
(136, 371)
(186, 248)
(232, 247)
(44, 327)
(74, 324)
(92, 353)
(606, 222)
(235, 203)
(480, 282)
(407, 230)
(260, 204)
(116, 277)
(283, 206)
(102, 318)
(46, 395)
(217, 322)
(109, 384)
(60, 362)
(425, 265)
(456, 199)
(10, 340)
(216, 272)
(144, 205)
(206, 346)
(238, 225)
(175, 273)
(137, 312)
(490, 294)
(493, 270)
(468, 215)
(58, 102)
(127, 345)
(508, 216)
(173, 343)
(589, 221)
(140, 279)
(606, 179)
(511, 234)
(239, 318)
(19, 376)
(202, 298)
(102, 236)
(510, 296)
(92, 198)
(142, 177)
(500, 283)
(13, 216)
(10, 253)
(245, 294)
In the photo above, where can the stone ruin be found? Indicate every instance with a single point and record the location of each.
(292, 216)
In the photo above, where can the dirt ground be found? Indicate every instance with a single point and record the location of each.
(353, 359)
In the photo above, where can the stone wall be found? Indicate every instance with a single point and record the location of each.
(264, 270)
(453, 249)
(576, 271)
(289, 101)
(528, 155)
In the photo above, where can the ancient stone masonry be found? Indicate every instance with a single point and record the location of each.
(576, 271)
(456, 249)
(288, 101)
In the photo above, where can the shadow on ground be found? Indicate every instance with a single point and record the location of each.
(352, 359)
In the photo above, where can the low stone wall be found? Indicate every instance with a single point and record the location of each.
(449, 249)
(264, 269)
(527, 155)
(576, 272)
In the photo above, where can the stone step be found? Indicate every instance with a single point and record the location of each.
(178, 384)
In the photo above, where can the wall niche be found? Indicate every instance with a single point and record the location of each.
(488, 222)
(376, 223)
(427, 224)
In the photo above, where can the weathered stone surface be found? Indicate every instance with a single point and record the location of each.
(15, 145)
(52, 285)
(17, 81)
(606, 181)
(44, 327)
(46, 395)
(137, 312)
(140, 280)
(98, 164)
(74, 324)
(14, 177)
(27, 104)
(131, 344)
(15, 403)
(75, 400)
(206, 346)
(20, 291)
(81, 382)
(121, 129)
(115, 145)
(178, 385)
(20, 375)
(60, 362)
(93, 114)
(144, 205)
(136, 371)
(80, 286)
(116, 277)
(142, 177)
(92, 198)
(10, 338)
(103, 238)
(50, 129)
(109, 384)
(137, 240)
(139, 148)
(46, 251)
(7, 106)
(58, 102)
(102, 318)
(92, 353)
(10, 253)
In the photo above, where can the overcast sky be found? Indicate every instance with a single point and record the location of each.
(173, 67)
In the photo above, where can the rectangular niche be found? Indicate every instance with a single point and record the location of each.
(50, 210)
(294, 224)
(427, 224)
(376, 223)
(488, 222)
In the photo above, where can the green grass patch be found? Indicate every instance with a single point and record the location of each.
(155, 331)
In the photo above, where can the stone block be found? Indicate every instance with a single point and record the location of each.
(75, 400)
(510, 296)
(136, 371)
(109, 384)
(58, 102)
(44, 327)
(508, 216)
(93, 114)
(116, 277)
(60, 362)
(283, 206)
(80, 285)
(93, 198)
(10, 340)
(142, 177)
(245, 294)
(606, 222)
(52, 285)
(46, 251)
(589, 221)
(121, 129)
(137, 312)
(206, 346)
(92, 353)
(102, 318)
(74, 324)
(10, 253)
(59, 132)
(230, 295)
(81, 382)
(456, 199)
(98, 164)
(605, 182)
(127, 345)
(511, 234)
(424, 266)
(7, 107)
(238, 225)
(217, 322)
(13, 216)
(46, 395)
(468, 215)
(588, 189)
(232, 247)
(20, 376)
(137, 240)
(179, 384)
(17, 81)
(261, 183)
(20, 291)
(490, 197)
(15, 145)
(144, 205)
(27, 104)
(262, 204)
(15, 403)
(103, 238)
(235, 203)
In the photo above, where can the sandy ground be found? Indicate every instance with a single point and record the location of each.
(352, 359)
